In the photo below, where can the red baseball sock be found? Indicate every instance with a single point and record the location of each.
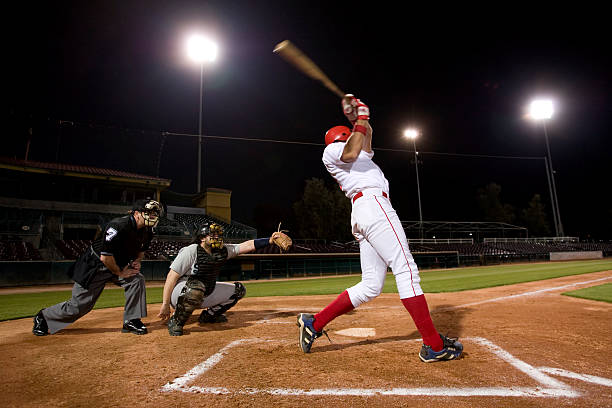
(341, 305)
(417, 307)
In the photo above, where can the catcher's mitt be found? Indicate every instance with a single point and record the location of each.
(282, 240)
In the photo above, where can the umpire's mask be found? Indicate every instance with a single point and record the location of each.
(150, 210)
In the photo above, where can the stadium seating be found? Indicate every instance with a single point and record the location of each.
(72, 248)
(193, 222)
(164, 250)
(18, 250)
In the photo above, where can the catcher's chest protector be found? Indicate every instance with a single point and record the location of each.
(209, 266)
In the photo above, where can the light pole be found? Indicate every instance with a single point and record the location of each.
(200, 49)
(413, 134)
(542, 110)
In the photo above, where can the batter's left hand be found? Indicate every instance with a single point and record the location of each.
(136, 264)
(349, 107)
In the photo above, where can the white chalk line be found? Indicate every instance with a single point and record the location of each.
(552, 387)
(360, 392)
(180, 382)
(582, 377)
(518, 364)
(530, 293)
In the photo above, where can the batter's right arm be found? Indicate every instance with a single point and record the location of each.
(355, 142)
(367, 140)
(361, 138)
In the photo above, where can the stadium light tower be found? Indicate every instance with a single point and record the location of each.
(542, 110)
(413, 133)
(201, 50)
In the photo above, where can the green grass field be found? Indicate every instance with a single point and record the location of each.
(602, 293)
(15, 306)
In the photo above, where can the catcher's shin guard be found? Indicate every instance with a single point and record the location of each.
(190, 299)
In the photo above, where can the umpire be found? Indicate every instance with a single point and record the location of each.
(114, 256)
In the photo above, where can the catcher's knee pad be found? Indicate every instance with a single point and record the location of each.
(240, 291)
(221, 308)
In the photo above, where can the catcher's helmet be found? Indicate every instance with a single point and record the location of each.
(216, 234)
(337, 134)
(150, 210)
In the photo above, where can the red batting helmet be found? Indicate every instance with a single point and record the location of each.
(337, 134)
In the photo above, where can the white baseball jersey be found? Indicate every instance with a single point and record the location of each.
(375, 224)
(357, 176)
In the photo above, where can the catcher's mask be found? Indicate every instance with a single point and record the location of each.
(215, 231)
(337, 134)
(150, 210)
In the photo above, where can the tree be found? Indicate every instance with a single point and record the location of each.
(323, 213)
(489, 202)
(535, 217)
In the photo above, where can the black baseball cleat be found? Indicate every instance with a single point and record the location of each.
(134, 326)
(206, 317)
(40, 325)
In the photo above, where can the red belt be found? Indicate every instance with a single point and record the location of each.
(360, 194)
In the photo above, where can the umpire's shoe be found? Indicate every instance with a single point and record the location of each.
(308, 334)
(452, 349)
(134, 326)
(40, 325)
(174, 328)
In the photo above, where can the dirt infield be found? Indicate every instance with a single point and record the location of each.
(525, 346)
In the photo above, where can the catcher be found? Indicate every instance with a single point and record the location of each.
(192, 280)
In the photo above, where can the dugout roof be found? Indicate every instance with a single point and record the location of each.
(86, 172)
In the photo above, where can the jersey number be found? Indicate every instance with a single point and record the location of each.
(110, 234)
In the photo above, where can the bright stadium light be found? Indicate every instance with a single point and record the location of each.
(413, 133)
(201, 50)
(541, 109)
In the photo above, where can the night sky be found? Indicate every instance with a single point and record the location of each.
(116, 75)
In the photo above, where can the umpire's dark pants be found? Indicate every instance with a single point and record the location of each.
(83, 300)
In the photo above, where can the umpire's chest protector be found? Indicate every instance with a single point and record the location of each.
(208, 266)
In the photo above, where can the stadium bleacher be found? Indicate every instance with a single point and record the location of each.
(193, 222)
(17, 249)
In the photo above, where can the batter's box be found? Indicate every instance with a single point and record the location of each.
(276, 364)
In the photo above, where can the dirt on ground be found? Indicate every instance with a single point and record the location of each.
(526, 345)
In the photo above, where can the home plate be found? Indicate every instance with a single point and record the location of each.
(358, 332)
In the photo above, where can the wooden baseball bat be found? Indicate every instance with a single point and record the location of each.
(299, 60)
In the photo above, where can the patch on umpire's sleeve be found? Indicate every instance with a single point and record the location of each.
(110, 234)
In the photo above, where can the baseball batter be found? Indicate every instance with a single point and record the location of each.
(192, 283)
(382, 241)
